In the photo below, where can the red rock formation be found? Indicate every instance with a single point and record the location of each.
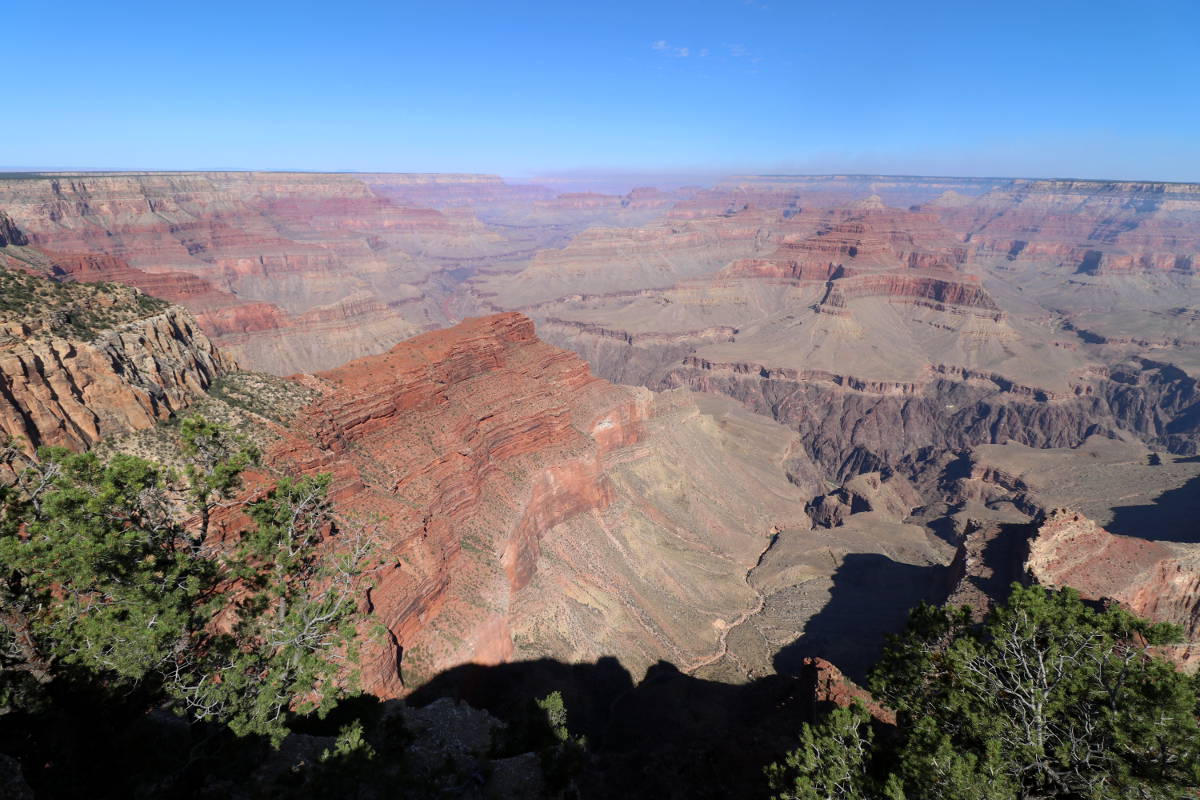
(475, 437)
(56, 389)
(1156, 580)
(829, 685)
(474, 443)
(865, 236)
(922, 289)
(251, 254)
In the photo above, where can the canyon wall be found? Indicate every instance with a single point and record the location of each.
(531, 509)
(882, 332)
(58, 389)
(798, 352)
(851, 425)
(1155, 580)
(300, 271)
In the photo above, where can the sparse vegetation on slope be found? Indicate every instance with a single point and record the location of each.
(114, 577)
(70, 309)
(251, 404)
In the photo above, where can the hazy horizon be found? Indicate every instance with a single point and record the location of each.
(616, 182)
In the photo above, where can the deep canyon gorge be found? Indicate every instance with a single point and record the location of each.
(736, 430)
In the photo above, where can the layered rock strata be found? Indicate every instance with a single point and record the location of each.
(71, 392)
(287, 271)
(532, 509)
(1156, 580)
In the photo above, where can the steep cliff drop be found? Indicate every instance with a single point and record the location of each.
(531, 509)
(79, 362)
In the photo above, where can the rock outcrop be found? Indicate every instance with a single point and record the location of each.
(532, 509)
(59, 389)
(891, 497)
(10, 234)
(297, 271)
(1156, 580)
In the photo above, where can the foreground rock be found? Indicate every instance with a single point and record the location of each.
(103, 362)
(1157, 580)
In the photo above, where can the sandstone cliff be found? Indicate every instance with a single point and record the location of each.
(532, 509)
(77, 373)
(1156, 580)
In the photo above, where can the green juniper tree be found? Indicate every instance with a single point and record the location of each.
(293, 632)
(834, 760)
(214, 466)
(93, 578)
(102, 578)
(1047, 698)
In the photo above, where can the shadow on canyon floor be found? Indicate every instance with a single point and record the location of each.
(668, 735)
(1174, 516)
(870, 598)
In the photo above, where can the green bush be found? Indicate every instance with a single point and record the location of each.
(1047, 698)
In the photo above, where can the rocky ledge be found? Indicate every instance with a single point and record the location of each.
(60, 388)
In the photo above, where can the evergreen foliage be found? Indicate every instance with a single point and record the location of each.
(107, 580)
(72, 308)
(1047, 698)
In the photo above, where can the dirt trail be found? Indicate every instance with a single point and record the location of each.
(722, 648)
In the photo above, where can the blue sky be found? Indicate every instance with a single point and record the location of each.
(1106, 88)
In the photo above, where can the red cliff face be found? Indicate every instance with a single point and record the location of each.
(1157, 580)
(472, 442)
(922, 289)
(531, 509)
(865, 236)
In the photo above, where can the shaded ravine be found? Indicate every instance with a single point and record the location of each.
(722, 649)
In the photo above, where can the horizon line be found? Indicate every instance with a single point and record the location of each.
(33, 172)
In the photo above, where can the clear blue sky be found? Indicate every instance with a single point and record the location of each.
(1102, 88)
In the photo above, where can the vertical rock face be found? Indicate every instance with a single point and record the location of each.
(1157, 580)
(1154, 579)
(532, 509)
(10, 233)
(58, 389)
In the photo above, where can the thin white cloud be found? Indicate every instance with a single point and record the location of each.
(723, 53)
(663, 46)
